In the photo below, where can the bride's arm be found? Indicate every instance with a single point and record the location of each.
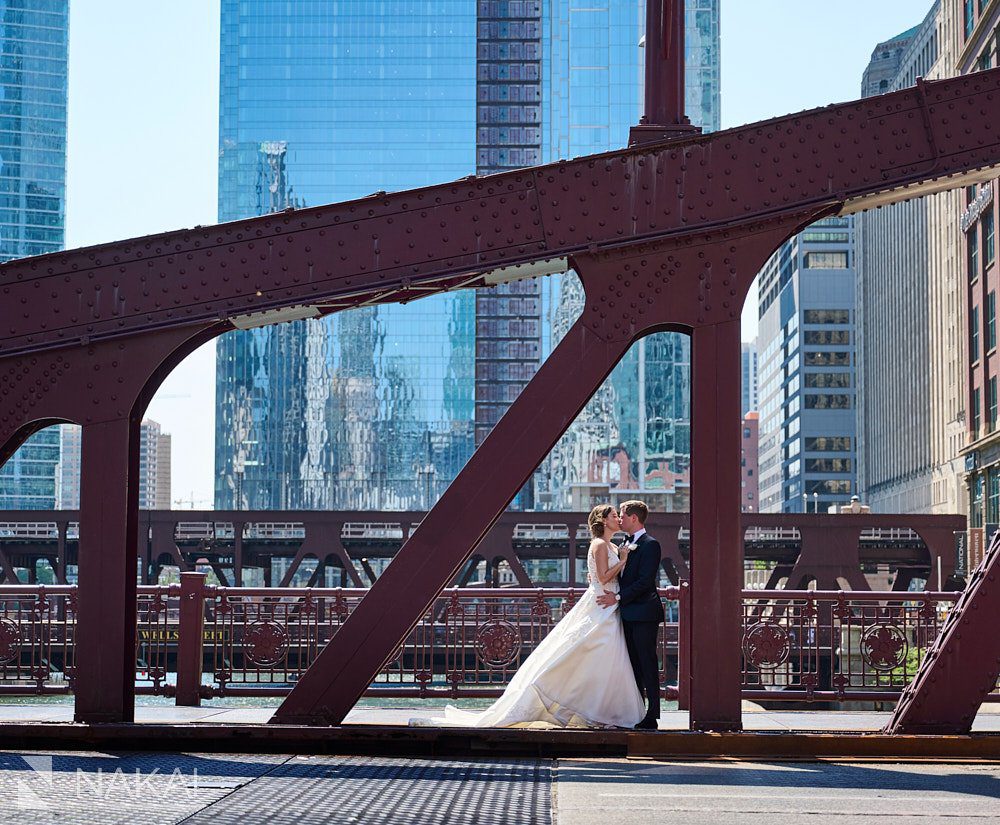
(604, 573)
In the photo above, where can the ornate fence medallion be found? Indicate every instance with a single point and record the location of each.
(265, 642)
(10, 641)
(766, 645)
(497, 643)
(884, 647)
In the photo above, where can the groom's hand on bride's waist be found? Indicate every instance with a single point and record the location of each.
(607, 599)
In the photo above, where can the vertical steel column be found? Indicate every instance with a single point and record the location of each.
(716, 541)
(190, 641)
(9, 573)
(238, 553)
(664, 116)
(63, 527)
(664, 89)
(109, 514)
(684, 647)
(571, 556)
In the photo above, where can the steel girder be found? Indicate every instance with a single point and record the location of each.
(963, 664)
(664, 236)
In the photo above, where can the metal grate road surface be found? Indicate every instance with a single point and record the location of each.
(395, 791)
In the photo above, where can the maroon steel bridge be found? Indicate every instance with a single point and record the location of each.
(665, 235)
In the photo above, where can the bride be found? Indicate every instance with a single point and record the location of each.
(580, 674)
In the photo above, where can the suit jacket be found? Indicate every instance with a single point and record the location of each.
(639, 600)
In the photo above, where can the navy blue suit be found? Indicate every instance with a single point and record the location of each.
(642, 613)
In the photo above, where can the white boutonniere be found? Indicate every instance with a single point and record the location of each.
(629, 547)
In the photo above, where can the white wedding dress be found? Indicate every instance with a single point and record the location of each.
(578, 676)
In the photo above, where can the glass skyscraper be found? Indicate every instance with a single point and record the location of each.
(634, 437)
(322, 102)
(381, 407)
(34, 43)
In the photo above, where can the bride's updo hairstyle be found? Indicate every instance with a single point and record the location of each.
(595, 521)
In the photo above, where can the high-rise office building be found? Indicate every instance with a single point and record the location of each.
(34, 44)
(749, 464)
(897, 468)
(748, 371)
(978, 48)
(154, 468)
(912, 305)
(381, 407)
(892, 58)
(807, 362)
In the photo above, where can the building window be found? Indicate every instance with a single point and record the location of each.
(991, 419)
(828, 402)
(976, 501)
(991, 321)
(827, 316)
(824, 337)
(975, 412)
(988, 244)
(993, 496)
(835, 487)
(974, 335)
(828, 359)
(746, 432)
(970, 18)
(825, 260)
(972, 247)
(828, 379)
(828, 465)
(829, 444)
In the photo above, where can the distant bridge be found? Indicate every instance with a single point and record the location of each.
(331, 548)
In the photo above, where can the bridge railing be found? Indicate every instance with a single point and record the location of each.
(469, 644)
(196, 641)
(813, 646)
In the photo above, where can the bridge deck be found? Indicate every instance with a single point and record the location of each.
(217, 789)
(773, 734)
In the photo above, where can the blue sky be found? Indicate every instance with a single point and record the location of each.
(143, 126)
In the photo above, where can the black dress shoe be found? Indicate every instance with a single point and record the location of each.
(647, 724)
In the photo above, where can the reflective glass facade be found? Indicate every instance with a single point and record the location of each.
(634, 437)
(28, 479)
(326, 101)
(323, 101)
(34, 38)
(702, 64)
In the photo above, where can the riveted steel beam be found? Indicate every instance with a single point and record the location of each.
(672, 234)
(398, 247)
(962, 665)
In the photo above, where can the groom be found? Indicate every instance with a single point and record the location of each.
(641, 608)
